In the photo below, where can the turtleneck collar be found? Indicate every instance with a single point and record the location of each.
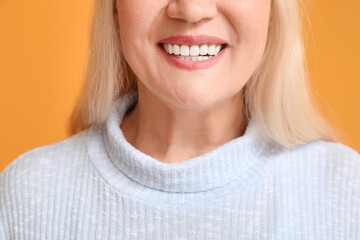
(208, 171)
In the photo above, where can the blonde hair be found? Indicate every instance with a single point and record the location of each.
(277, 94)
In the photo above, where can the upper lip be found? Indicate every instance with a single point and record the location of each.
(193, 40)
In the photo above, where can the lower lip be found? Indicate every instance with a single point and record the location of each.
(192, 65)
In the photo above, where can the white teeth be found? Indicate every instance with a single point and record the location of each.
(205, 51)
(184, 50)
(211, 50)
(192, 58)
(194, 50)
(170, 49)
(176, 49)
(217, 49)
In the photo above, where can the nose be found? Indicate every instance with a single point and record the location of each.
(192, 10)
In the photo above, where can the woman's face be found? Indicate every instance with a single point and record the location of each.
(238, 28)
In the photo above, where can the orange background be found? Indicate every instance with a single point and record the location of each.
(43, 47)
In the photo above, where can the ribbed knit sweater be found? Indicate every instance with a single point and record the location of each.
(96, 185)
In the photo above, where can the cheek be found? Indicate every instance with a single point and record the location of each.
(252, 24)
(130, 19)
(249, 20)
(131, 13)
(135, 23)
(253, 20)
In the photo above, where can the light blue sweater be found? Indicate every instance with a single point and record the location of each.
(95, 185)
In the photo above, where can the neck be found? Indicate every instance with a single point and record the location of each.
(170, 134)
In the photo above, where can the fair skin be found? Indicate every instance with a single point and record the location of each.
(185, 113)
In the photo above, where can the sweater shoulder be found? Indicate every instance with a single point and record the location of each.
(335, 161)
(40, 174)
(45, 163)
(329, 152)
(61, 151)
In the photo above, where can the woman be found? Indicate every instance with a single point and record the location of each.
(196, 123)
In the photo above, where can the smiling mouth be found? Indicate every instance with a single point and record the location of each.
(193, 52)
